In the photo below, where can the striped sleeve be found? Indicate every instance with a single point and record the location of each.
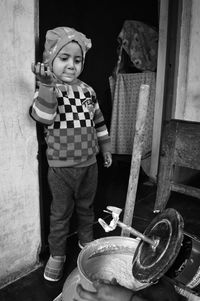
(101, 130)
(44, 105)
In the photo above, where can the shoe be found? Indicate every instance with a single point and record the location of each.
(83, 244)
(54, 268)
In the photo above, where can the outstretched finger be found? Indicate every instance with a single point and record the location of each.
(38, 69)
(48, 71)
(42, 69)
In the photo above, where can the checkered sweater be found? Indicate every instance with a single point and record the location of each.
(75, 127)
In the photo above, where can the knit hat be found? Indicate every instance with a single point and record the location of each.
(58, 37)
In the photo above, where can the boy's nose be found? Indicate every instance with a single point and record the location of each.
(70, 63)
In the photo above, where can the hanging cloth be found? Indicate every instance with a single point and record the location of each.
(125, 94)
(140, 42)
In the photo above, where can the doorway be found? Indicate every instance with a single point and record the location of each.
(101, 21)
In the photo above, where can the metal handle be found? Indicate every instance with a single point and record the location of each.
(136, 233)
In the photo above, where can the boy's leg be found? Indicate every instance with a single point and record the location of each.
(61, 183)
(84, 198)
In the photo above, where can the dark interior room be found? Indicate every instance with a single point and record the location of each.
(101, 22)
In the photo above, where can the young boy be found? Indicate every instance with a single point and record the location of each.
(75, 131)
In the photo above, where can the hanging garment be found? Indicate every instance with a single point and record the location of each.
(136, 65)
(125, 94)
(140, 42)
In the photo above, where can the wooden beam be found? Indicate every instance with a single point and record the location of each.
(160, 80)
(136, 156)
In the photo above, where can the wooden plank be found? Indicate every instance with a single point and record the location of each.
(182, 60)
(165, 166)
(136, 156)
(187, 190)
(180, 148)
(187, 145)
(160, 79)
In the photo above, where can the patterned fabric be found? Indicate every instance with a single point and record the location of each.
(75, 124)
(140, 42)
(125, 92)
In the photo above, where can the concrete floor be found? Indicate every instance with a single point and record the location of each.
(112, 189)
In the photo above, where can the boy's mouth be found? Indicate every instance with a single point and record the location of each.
(68, 74)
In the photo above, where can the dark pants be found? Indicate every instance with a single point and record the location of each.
(72, 189)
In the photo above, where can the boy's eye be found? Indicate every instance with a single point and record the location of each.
(78, 61)
(66, 57)
(63, 58)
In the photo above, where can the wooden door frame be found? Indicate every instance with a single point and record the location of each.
(160, 87)
(44, 192)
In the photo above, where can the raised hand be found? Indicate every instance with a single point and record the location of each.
(43, 73)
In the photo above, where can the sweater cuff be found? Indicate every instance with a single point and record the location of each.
(48, 93)
(47, 85)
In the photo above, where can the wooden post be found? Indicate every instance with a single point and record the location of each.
(136, 156)
(160, 82)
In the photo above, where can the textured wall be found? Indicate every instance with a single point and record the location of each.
(186, 104)
(192, 110)
(19, 191)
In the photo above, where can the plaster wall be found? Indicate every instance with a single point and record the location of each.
(192, 109)
(19, 188)
(186, 103)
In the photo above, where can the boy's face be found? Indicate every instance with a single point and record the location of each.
(67, 65)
